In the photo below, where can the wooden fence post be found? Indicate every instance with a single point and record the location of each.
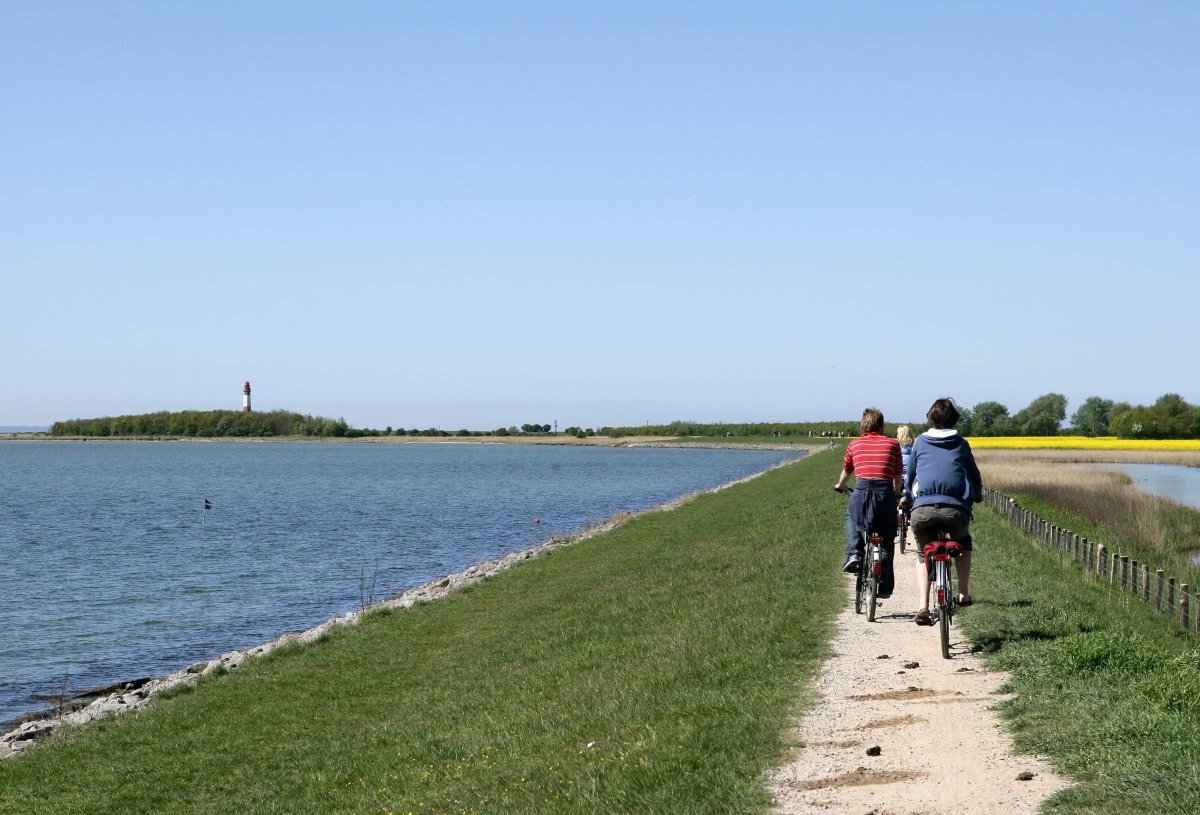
(1101, 559)
(1133, 578)
(1158, 587)
(1115, 567)
(1124, 572)
(1171, 595)
(1145, 583)
(1185, 619)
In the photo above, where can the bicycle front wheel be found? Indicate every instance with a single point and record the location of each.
(944, 628)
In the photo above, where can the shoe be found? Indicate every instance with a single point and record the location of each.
(923, 618)
(851, 564)
(884, 596)
(965, 600)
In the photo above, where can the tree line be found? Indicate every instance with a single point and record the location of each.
(256, 424)
(1170, 417)
(204, 424)
(739, 429)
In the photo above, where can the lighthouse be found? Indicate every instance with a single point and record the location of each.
(246, 397)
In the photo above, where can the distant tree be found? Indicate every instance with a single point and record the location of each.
(1135, 423)
(1043, 417)
(1092, 417)
(989, 419)
(966, 421)
(1175, 416)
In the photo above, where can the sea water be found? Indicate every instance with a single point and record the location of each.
(111, 567)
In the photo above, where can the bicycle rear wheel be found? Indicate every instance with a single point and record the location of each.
(903, 531)
(944, 601)
(859, 592)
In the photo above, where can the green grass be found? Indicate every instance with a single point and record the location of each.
(652, 669)
(1164, 535)
(1105, 688)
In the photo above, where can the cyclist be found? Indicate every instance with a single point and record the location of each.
(904, 437)
(874, 460)
(942, 483)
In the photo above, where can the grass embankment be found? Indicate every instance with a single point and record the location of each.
(1103, 506)
(1106, 688)
(652, 669)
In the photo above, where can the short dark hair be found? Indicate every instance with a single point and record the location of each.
(872, 420)
(944, 413)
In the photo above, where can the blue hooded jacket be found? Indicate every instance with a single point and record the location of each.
(943, 471)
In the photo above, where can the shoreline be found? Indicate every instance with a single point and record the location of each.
(803, 442)
(122, 696)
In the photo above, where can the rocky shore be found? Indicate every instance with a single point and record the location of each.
(126, 696)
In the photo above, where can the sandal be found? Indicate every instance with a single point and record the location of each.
(965, 600)
(923, 617)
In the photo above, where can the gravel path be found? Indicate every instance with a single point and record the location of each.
(941, 748)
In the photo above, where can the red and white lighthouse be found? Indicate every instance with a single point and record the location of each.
(246, 397)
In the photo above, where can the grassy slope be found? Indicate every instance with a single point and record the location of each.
(1180, 525)
(675, 646)
(1105, 687)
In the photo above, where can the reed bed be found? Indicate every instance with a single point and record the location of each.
(1100, 504)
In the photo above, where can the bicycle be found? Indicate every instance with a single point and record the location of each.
(941, 551)
(866, 581)
(869, 574)
(902, 525)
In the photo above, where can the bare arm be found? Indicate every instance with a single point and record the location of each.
(843, 480)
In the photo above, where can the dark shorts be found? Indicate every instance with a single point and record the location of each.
(925, 522)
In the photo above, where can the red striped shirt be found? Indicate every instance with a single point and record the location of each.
(873, 455)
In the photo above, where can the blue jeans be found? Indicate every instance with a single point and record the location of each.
(876, 499)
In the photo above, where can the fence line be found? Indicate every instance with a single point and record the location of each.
(1129, 577)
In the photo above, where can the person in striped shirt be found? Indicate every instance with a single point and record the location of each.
(873, 460)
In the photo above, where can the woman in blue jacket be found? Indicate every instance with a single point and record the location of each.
(941, 483)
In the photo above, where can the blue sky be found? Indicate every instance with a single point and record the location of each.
(485, 214)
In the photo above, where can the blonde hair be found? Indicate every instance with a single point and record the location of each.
(904, 435)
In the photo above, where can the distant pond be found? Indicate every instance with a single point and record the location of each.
(1171, 481)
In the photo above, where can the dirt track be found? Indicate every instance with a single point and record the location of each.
(941, 747)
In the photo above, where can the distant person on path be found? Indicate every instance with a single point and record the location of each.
(942, 482)
(873, 459)
(904, 437)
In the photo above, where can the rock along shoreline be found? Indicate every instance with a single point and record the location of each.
(122, 697)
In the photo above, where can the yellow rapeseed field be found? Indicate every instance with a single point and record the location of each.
(1079, 443)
